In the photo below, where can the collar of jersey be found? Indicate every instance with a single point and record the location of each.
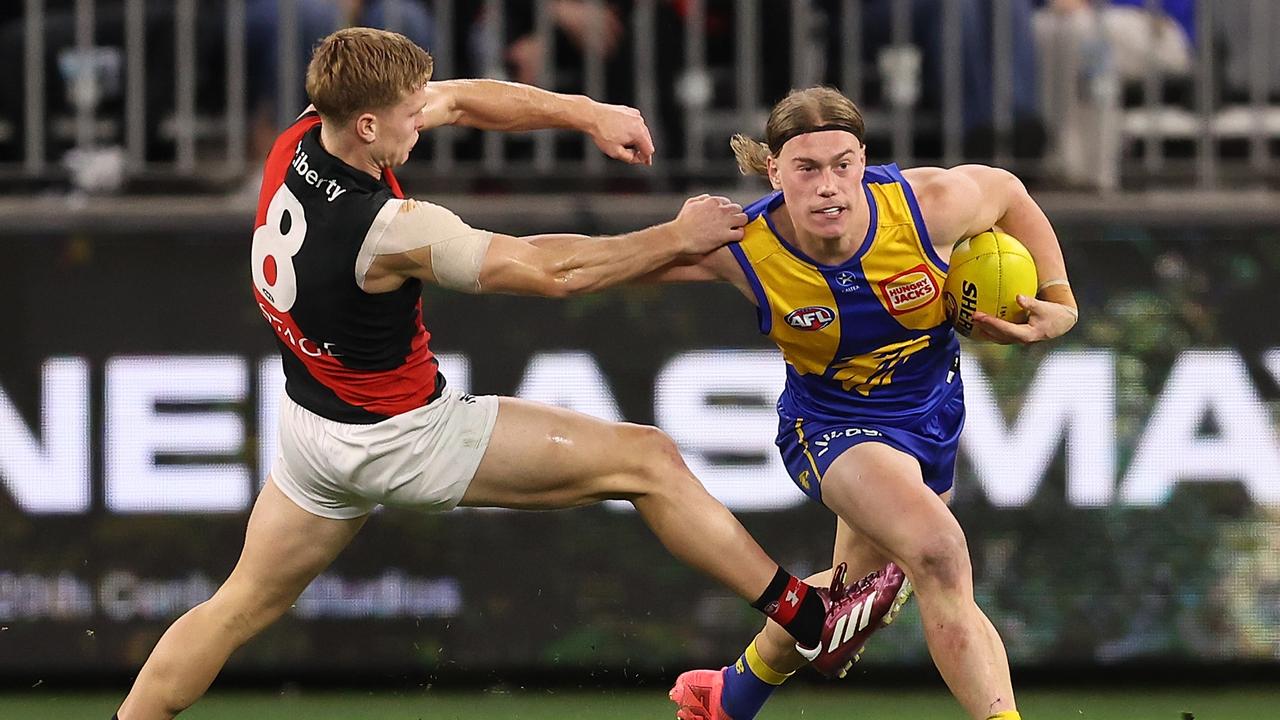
(335, 165)
(777, 202)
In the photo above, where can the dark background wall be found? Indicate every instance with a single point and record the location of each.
(1188, 577)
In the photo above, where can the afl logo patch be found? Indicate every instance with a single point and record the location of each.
(811, 318)
(909, 290)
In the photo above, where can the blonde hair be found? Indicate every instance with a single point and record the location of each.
(358, 69)
(801, 111)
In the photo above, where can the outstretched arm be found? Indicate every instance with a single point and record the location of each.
(717, 265)
(563, 265)
(557, 265)
(619, 131)
(969, 199)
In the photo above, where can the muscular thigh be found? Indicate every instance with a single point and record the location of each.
(543, 457)
(285, 547)
(878, 493)
(858, 551)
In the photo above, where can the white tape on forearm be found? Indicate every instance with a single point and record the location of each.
(1051, 283)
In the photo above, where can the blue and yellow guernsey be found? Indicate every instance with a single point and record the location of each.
(866, 339)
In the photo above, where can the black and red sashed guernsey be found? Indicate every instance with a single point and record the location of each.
(349, 356)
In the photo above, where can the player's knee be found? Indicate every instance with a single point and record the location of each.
(941, 562)
(655, 460)
(662, 460)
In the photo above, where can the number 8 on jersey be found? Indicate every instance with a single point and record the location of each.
(274, 245)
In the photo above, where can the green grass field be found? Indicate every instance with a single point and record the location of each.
(804, 702)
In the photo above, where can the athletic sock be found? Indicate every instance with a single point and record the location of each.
(1006, 715)
(789, 602)
(748, 684)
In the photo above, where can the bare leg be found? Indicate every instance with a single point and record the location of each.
(542, 457)
(923, 537)
(285, 548)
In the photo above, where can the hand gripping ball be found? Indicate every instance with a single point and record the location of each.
(988, 272)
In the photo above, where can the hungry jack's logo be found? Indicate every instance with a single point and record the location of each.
(909, 290)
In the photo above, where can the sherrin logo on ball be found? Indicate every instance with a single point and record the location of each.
(987, 273)
(811, 318)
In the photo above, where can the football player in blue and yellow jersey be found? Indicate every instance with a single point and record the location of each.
(845, 265)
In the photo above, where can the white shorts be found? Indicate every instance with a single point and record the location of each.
(423, 459)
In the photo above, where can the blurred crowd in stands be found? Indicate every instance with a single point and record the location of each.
(1070, 61)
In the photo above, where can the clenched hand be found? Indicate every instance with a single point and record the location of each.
(707, 222)
(620, 132)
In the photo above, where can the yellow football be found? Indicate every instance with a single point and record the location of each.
(988, 272)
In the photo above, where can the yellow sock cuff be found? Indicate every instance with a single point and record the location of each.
(1006, 715)
(761, 669)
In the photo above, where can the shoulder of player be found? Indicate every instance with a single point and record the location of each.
(722, 264)
(940, 185)
(419, 215)
(947, 198)
(410, 226)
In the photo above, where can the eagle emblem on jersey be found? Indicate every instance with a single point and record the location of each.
(866, 372)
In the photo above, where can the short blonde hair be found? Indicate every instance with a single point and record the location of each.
(359, 69)
(801, 111)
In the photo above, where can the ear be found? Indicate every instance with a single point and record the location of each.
(367, 127)
(772, 166)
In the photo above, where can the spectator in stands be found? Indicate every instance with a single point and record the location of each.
(315, 20)
(1092, 55)
(556, 61)
(1248, 22)
(687, 91)
(108, 61)
(579, 25)
(975, 18)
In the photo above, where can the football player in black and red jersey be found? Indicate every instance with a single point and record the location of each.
(338, 260)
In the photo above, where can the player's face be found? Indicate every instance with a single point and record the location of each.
(398, 128)
(820, 175)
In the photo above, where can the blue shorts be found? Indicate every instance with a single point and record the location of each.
(809, 447)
